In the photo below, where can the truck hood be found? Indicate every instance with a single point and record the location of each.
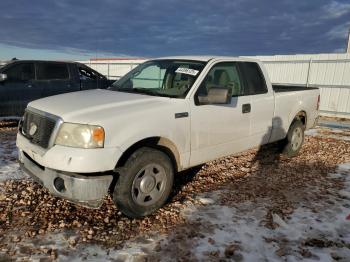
(84, 106)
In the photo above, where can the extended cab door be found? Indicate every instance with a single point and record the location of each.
(18, 89)
(261, 101)
(220, 129)
(55, 78)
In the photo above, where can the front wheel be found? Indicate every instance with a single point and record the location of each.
(144, 183)
(294, 139)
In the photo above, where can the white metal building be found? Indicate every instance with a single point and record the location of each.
(330, 72)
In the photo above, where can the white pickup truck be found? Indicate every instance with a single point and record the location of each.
(164, 116)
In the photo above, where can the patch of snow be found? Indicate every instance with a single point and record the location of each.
(132, 251)
(345, 193)
(11, 171)
(9, 168)
(336, 133)
(311, 132)
(242, 225)
(234, 226)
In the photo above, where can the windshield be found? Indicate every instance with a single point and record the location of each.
(169, 78)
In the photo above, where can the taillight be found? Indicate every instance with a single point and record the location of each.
(318, 102)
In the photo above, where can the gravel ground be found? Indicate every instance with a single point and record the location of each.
(258, 205)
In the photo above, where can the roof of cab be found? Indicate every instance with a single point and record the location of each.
(208, 58)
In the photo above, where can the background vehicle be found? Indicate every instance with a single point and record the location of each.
(165, 116)
(22, 81)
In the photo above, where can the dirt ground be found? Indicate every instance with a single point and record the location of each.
(255, 206)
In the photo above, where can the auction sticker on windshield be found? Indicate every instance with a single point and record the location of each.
(187, 71)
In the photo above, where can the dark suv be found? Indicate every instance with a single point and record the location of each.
(23, 81)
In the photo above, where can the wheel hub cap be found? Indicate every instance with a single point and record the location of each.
(297, 138)
(147, 184)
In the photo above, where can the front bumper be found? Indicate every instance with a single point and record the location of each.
(85, 190)
(69, 159)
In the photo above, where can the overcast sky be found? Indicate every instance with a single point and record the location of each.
(65, 29)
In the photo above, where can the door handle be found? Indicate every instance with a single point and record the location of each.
(29, 85)
(246, 108)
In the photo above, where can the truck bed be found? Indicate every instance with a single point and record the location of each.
(290, 88)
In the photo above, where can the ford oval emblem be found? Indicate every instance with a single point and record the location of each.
(32, 129)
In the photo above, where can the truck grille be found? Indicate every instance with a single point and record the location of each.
(37, 128)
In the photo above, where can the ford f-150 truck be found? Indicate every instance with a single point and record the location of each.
(165, 116)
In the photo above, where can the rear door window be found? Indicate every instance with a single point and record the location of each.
(254, 80)
(87, 74)
(21, 72)
(51, 71)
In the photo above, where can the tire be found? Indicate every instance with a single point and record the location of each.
(294, 139)
(144, 183)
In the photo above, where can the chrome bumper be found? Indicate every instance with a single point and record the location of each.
(84, 190)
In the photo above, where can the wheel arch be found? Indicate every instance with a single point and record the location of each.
(160, 143)
(301, 115)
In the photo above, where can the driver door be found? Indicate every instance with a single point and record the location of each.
(220, 129)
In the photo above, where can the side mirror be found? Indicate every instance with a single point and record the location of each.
(216, 95)
(3, 77)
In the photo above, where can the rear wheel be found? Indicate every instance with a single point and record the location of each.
(144, 183)
(294, 139)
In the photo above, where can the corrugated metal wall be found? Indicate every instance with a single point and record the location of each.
(113, 68)
(330, 72)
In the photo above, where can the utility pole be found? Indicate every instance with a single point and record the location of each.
(348, 48)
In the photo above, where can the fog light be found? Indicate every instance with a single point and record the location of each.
(59, 184)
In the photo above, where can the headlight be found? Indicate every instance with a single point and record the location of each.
(82, 136)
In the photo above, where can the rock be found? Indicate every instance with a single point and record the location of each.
(214, 253)
(287, 210)
(46, 250)
(231, 250)
(305, 253)
(279, 221)
(157, 248)
(72, 240)
(16, 239)
(205, 201)
(281, 252)
(54, 254)
(211, 241)
(2, 197)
